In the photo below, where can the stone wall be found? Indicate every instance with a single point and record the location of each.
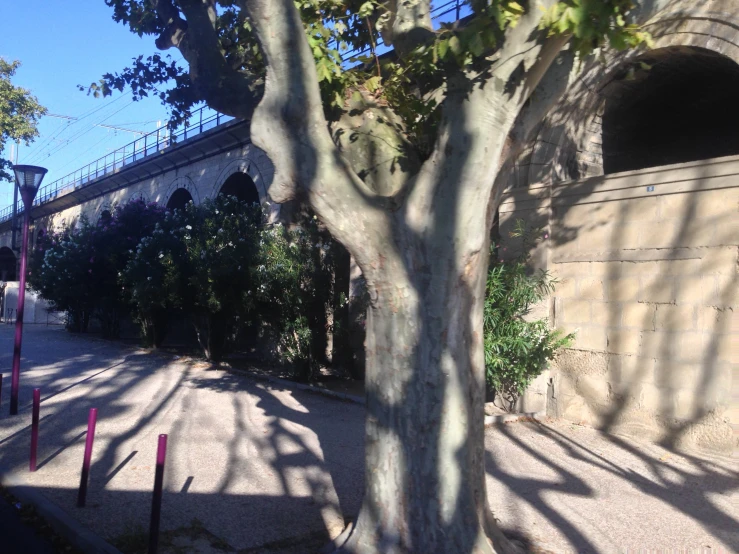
(648, 264)
(203, 179)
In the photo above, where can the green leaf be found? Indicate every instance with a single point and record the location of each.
(443, 46)
(366, 9)
(476, 45)
(373, 83)
(455, 45)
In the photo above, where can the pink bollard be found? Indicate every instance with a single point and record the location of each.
(84, 478)
(156, 502)
(34, 427)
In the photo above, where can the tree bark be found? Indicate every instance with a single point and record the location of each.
(424, 472)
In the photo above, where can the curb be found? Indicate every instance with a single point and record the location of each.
(489, 419)
(72, 530)
(300, 386)
(510, 418)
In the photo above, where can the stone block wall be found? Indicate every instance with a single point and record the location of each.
(648, 266)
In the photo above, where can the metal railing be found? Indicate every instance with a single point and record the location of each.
(148, 145)
(159, 140)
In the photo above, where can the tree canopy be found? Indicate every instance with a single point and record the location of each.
(19, 114)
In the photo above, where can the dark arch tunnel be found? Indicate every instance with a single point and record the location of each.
(680, 106)
(242, 187)
(179, 199)
(7, 264)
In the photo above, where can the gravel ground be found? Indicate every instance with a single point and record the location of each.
(261, 468)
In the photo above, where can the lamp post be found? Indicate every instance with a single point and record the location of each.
(28, 179)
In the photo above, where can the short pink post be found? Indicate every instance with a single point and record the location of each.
(82, 495)
(34, 427)
(156, 502)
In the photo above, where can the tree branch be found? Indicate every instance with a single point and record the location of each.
(289, 125)
(174, 26)
(224, 88)
(406, 24)
(479, 112)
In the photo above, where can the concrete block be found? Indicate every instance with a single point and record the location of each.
(669, 374)
(718, 320)
(570, 270)
(693, 289)
(715, 390)
(725, 293)
(715, 204)
(685, 405)
(564, 384)
(577, 410)
(623, 341)
(625, 236)
(589, 288)
(639, 209)
(585, 215)
(659, 345)
(566, 288)
(671, 317)
(624, 289)
(691, 346)
(719, 260)
(591, 338)
(726, 349)
(629, 372)
(727, 231)
(595, 389)
(658, 269)
(658, 235)
(638, 315)
(656, 289)
(576, 311)
(676, 206)
(606, 314)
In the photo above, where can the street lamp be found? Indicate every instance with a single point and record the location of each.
(28, 179)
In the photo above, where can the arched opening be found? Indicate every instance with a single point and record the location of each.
(105, 217)
(671, 106)
(179, 199)
(7, 264)
(242, 187)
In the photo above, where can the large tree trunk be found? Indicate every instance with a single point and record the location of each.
(424, 472)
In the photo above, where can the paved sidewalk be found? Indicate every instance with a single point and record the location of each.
(252, 463)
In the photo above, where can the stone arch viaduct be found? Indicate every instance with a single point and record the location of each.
(210, 157)
(633, 178)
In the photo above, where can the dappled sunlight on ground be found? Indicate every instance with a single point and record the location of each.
(251, 463)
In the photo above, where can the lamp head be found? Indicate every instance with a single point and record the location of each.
(28, 179)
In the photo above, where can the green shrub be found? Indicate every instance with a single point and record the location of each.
(60, 270)
(77, 269)
(517, 350)
(293, 291)
(197, 261)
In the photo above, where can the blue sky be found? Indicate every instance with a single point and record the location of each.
(62, 44)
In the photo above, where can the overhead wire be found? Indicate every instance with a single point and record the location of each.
(81, 133)
(37, 153)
